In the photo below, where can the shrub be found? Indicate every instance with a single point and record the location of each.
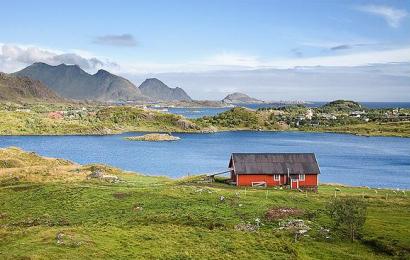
(348, 216)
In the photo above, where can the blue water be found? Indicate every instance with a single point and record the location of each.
(348, 159)
(200, 112)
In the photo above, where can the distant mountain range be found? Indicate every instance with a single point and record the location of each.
(70, 81)
(156, 89)
(240, 98)
(13, 88)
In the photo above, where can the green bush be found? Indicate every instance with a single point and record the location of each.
(348, 216)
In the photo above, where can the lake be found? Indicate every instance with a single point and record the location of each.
(348, 159)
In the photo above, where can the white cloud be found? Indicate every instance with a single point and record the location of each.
(14, 57)
(381, 82)
(393, 16)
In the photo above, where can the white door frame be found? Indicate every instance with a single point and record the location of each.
(297, 183)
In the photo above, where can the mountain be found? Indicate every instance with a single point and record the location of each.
(157, 90)
(240, 98)
(16, 89)
(71, 81)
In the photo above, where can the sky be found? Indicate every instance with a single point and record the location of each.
(316, 50)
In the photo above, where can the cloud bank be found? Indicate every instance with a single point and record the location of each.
(14, 57)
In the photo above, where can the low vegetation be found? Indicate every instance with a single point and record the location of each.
(53, 208)
(44, 119)
(338, 116)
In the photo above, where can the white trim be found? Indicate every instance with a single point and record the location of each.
(300, 177)
(233, 168)
(259, 183)
(278, 177)
(297, 183)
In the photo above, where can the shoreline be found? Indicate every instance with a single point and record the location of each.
(203, 132)
(179, 178)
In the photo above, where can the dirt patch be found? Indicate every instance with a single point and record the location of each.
(282, 213)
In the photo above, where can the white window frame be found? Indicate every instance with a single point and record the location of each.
(276, 177)
(301, 177)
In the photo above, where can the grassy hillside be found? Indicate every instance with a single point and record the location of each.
(85, 118)
(75, 119)
(55, 209)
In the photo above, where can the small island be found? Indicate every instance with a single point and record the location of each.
(153, 138)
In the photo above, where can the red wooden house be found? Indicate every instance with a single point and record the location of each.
(295, 170)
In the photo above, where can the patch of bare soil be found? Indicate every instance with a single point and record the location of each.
(282, 213)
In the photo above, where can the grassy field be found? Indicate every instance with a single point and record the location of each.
(398, 129)
(53, 209)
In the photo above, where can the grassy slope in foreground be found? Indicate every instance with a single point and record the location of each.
(49, 209)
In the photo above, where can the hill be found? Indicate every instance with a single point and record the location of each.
(88, 120)
(70, 81)
(157, 90)
(342, 106)
(56, 209)
(240, 98)
(23, 89)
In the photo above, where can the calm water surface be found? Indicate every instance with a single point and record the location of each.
(354, 160)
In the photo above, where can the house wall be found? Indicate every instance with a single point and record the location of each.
(310, 180)
(247, 179)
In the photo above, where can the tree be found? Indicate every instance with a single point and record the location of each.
(348, 216)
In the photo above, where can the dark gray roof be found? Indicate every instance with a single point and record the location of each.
(274, 163)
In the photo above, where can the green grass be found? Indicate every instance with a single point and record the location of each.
(155, 217)
(102, 120)
(399, 129)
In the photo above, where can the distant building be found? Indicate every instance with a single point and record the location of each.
(295, 170)
(309, 114)
(56, 115)
(357, 113)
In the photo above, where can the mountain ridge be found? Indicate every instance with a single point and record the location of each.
(71, 81)
(14, 88)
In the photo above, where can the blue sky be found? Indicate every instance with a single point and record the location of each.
(187, 38)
